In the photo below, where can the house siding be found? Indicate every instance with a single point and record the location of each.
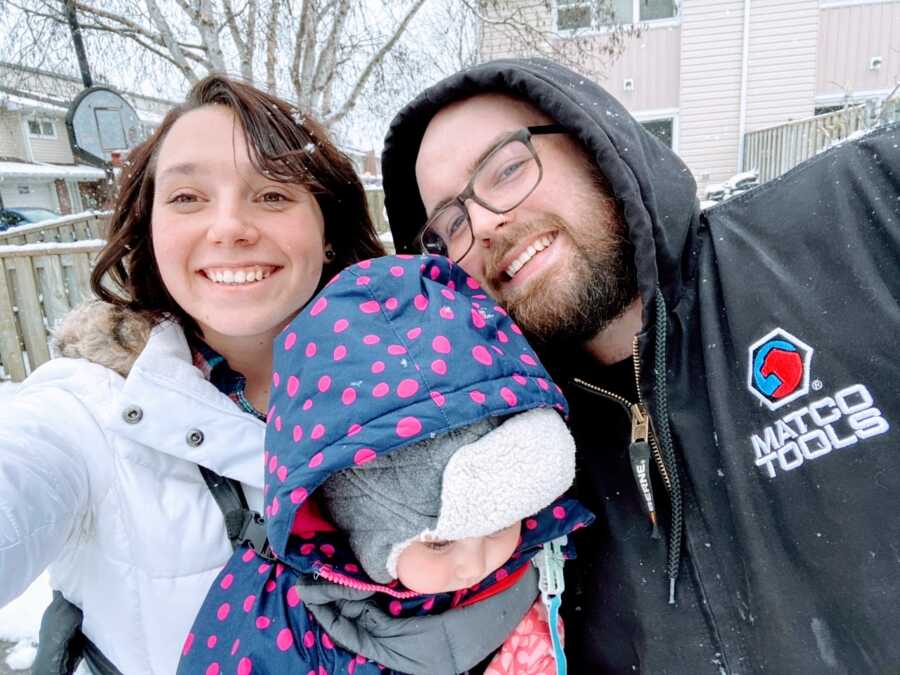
(53, 150)
(849, 37)
(11, 144)
(652, 61)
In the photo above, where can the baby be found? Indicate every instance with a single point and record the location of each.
(415, 460)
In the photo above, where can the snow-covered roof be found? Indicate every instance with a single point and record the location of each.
(17, 102)
(50, 171)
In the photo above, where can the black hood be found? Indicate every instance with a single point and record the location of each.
(655, 189)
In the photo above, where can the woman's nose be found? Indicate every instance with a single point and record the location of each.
(233, 224)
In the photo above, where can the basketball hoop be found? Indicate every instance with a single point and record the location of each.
(102, 127)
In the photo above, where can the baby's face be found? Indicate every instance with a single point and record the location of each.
(440, 566)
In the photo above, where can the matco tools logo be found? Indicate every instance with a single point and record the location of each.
(779, 368)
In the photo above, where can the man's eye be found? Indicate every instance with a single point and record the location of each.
(511, 170)
(454, 225)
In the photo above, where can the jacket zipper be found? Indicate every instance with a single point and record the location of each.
(327, 572)
(643, 444)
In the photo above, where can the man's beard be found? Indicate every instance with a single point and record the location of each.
(573, 303)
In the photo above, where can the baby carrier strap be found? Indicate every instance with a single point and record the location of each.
(242, 524)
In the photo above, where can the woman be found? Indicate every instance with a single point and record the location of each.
(227, 221)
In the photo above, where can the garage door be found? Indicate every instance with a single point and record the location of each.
(18, 192)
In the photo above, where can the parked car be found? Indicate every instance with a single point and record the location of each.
(23, 215)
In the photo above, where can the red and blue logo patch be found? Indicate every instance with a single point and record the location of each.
(779, 368)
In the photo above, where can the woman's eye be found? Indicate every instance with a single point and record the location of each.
(273, 198)
(183, 198)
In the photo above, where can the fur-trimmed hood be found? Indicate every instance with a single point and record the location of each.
(103, 333)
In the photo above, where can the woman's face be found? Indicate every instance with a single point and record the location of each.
(239, 252)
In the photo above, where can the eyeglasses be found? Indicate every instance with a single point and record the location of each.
(503, 180)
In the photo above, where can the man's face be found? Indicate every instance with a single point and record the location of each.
(560, 261)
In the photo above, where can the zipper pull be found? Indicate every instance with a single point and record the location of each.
(639, 453)
(551, 582)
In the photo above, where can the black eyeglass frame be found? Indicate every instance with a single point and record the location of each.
(523, 136)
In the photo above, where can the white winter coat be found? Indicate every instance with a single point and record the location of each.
(113, 502)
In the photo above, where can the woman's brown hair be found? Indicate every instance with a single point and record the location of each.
(284, 143)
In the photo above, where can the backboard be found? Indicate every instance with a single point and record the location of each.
(102, 126)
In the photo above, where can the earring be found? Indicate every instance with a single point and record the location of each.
(329, 254)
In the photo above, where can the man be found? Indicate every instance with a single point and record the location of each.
(759, 336)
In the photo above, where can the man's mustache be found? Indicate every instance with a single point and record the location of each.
(505, 239)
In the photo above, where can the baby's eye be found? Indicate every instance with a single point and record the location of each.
(437, 545)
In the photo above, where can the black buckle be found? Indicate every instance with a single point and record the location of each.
(252, 532)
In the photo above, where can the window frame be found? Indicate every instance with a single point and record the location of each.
(41, 121)
(596, 28)
(667, 115)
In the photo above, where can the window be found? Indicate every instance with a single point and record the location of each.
(572, 15)
(662, 129)
(41, 128)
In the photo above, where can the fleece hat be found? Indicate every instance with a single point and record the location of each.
(391, 352)
(470, 482)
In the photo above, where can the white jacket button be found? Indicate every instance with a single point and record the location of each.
(194, 437)
(132, 414)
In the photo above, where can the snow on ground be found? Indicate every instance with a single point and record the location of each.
(20, 620)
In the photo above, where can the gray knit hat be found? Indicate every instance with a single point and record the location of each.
(470, 482)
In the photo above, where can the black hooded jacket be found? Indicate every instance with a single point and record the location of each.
(768, 362)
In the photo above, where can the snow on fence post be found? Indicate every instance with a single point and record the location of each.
(77, 227)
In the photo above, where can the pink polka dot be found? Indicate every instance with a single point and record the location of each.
(353, 429)
(282, 472)
(438, 398)
(350, 567)
(363, 456)
(503, 337)
(396, 350)
(276, 379)
(317, 432)
(501, 574)
(378, 367)
(293, 596)
(439, 366)
(263, 569)
(429, 603)
(348, 396)
(263, 622)
(395, 607)
(326, 641)
(528, 360)
(339, 352)
(542, 383)
(306, 549)
(371, 339)
(226, 582)
(531, 524)
(482, 355)
(478, 320)
(407, 388)
(248, 602)
(324, 383)
(316, 460)
(298, 433)
(222, 612)
(273, 463)
(369, 307)
(311, 349)
(559, 512)
(309, 639)
(340, 325)
(248, 556)
(365, 264)
(278, 423)
(497, 349)
(235, 646)
(188, 643)
(413, 333)
(245, 666)
(477, 396)
(500, 310)
(434, 273)
(391, 304)
(397, 271)
(362, 281)
(471, 283)
(408, 426)
(446, 313)
(507, 395)
(307, 404)
(289, 341)
(279, 570)
(450, 295)
(516, 329)
(293, 384)
(420, 302)
(276, 506)
(318, 306)
(327, 549)
(285, 639)
(211, 641)
(271, 585)
(213, 669)
(381, 389)
(441, 345)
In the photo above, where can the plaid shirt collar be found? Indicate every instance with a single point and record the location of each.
(216, 369)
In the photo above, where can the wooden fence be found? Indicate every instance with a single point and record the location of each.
(775, 150)
(78, 227)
